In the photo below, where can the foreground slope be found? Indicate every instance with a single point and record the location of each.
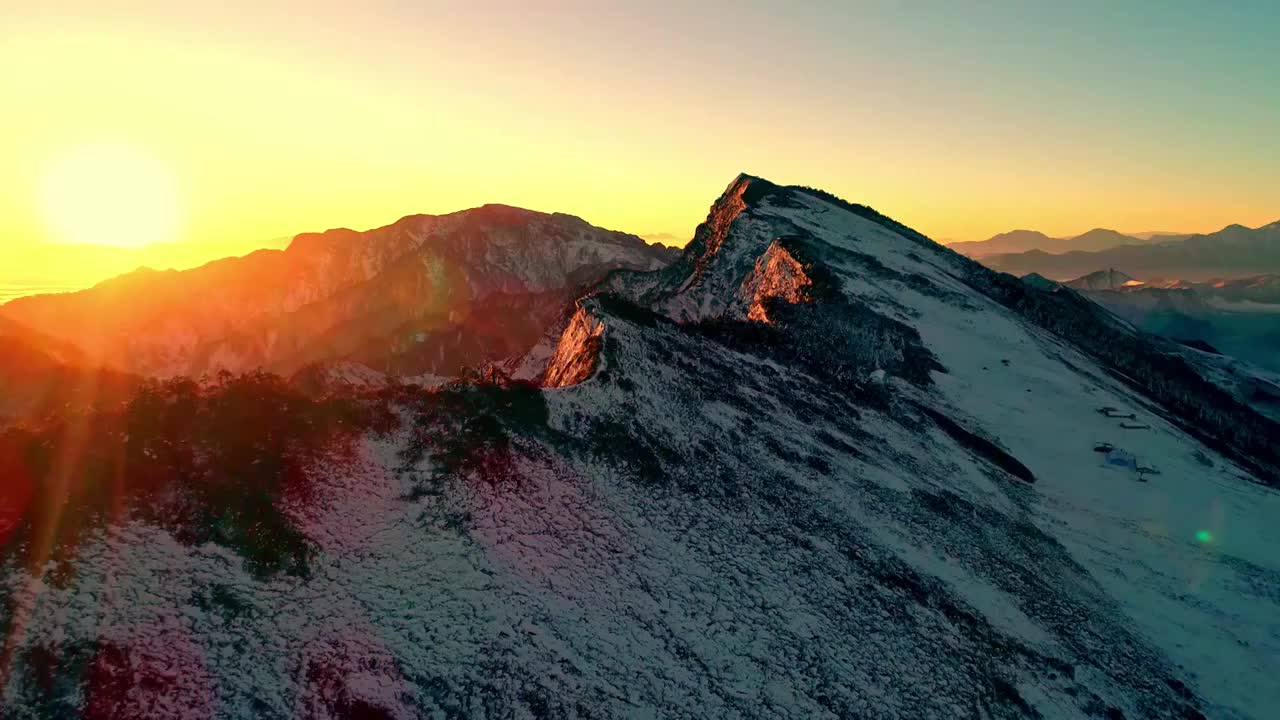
(818, 467)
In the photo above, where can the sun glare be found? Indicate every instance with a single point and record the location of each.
(109, 195)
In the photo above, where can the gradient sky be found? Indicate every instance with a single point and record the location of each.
(960, 119)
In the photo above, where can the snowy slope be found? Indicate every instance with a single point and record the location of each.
(818, 467)
(1040, 398)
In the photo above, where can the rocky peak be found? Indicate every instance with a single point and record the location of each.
(711, 234)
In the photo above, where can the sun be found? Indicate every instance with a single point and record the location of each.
(110, 194)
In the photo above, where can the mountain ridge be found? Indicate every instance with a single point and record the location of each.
(1018, 241)
(818, 465)
(189, 322)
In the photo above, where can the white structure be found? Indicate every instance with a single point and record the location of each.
(1119, 458)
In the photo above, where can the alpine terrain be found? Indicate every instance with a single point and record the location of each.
(504, 464)
(1239, 317)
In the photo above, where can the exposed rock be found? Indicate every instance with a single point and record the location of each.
(578, 353)
(777, 275)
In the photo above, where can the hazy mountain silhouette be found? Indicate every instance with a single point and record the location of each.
(1235, 251)
(35, 264)
(1013, 241)
(1018, 241)
(1161, 235)
(1099, 239)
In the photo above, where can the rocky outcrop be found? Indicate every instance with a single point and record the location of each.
(712, 234)
(578, 353)
(777, 275)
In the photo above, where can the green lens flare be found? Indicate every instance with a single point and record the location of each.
(1204, 536)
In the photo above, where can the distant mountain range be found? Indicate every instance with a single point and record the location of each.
(1017, 241)
(1239, 317)
(1233, 252)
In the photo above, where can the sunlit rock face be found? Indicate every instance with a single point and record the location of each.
(816, 467)
(578, 353)
(777, 276)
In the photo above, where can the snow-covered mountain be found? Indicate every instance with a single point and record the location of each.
(330, 295)
(819, 466)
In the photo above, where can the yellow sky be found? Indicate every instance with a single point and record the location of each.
(278, 118)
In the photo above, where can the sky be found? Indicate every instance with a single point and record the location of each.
(961, 119)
